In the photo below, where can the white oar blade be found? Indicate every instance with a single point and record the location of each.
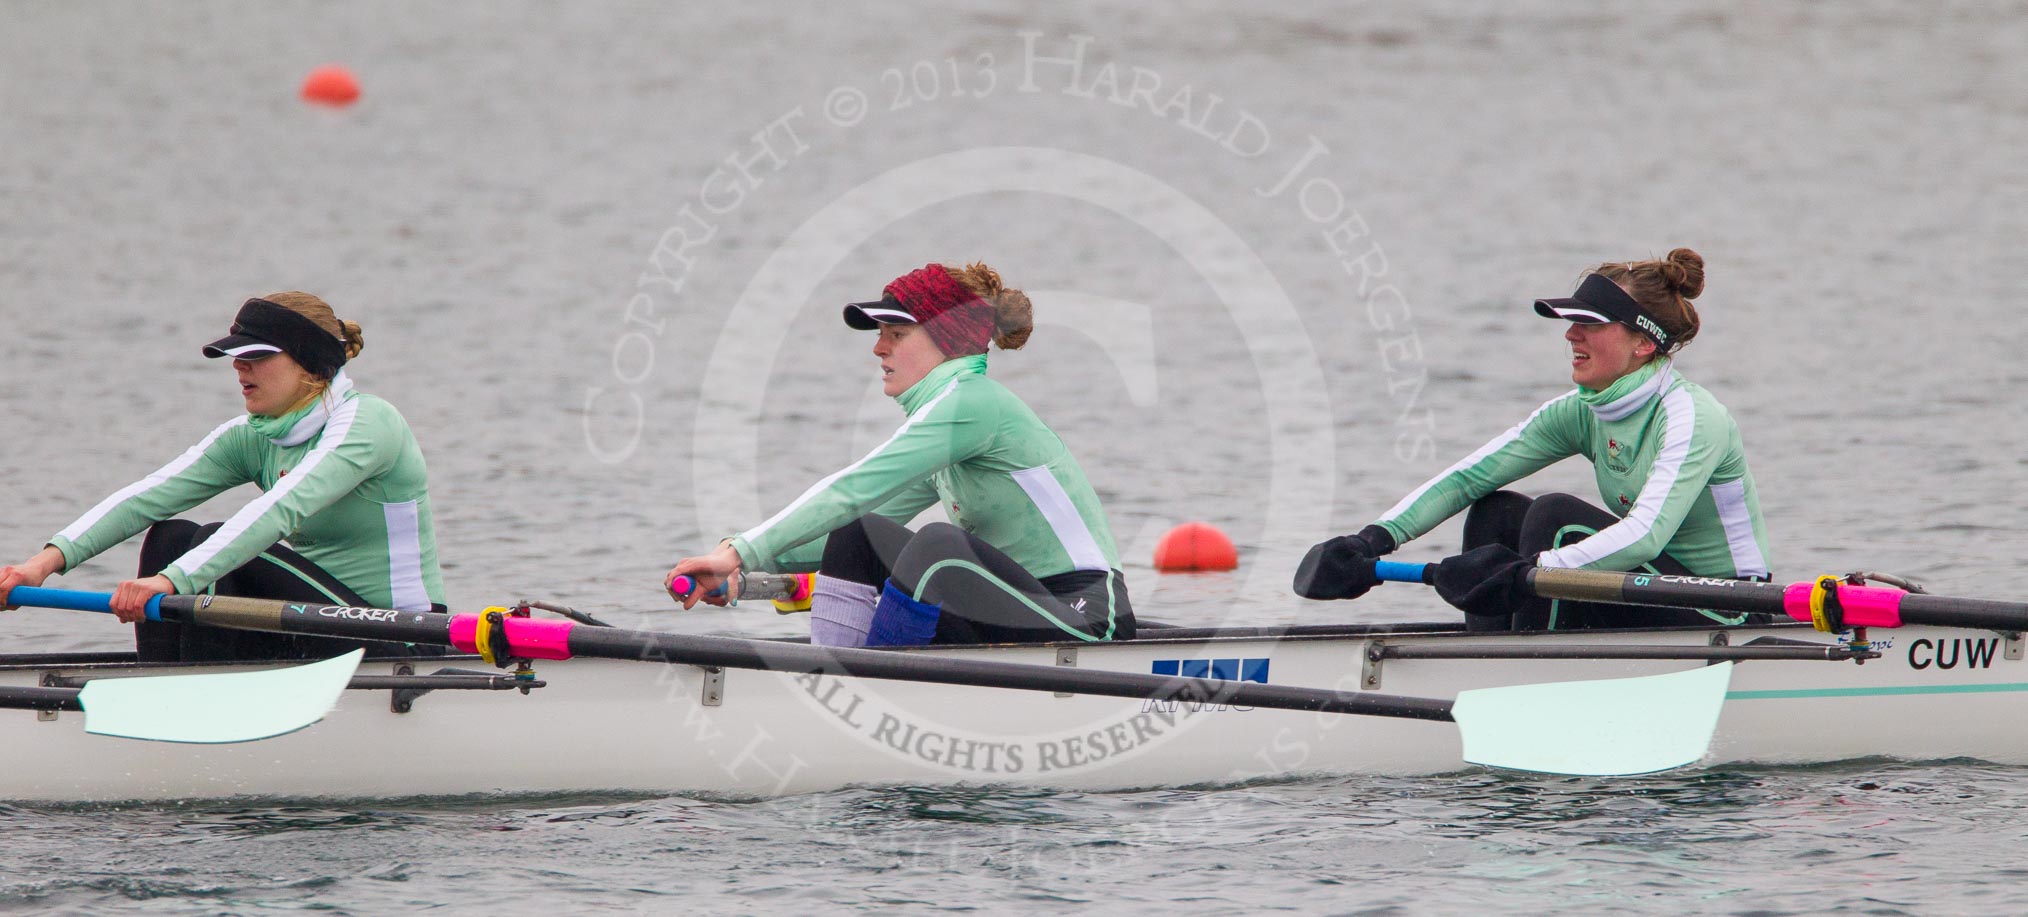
(220, 708)
(1611, 727)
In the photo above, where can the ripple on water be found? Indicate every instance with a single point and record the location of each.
(1744, 128)
(1862, 835)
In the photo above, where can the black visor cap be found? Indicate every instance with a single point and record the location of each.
(1599, 300)
(263, 328)
(867, 316)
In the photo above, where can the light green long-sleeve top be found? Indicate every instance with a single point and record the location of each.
(1668, 460)
(1001, 474)
(353, 499)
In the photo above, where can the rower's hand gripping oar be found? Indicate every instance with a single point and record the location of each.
(1620, 726)
(790, 592)
(1828, 602)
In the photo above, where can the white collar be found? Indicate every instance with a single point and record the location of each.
(320, 413)
(1624, 406)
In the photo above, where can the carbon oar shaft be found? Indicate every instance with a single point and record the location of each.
(1644, 589)
(1841, 604)
(306, 618)
(1857, 606)
(27, 698)
(804, 659)
(542, 638)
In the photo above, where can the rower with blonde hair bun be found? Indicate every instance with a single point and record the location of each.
(1028, 555)
(344, 516)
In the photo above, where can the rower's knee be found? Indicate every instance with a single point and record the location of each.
(1563, 507)
(1496, 519)
(849, 555)
(933, 543)
(168, 540)
(938, 533)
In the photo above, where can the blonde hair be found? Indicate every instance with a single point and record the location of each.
(309, 306)
(1013, 314)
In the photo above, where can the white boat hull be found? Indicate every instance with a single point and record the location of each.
(603, 725)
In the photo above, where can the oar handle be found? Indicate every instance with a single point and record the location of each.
(771, 586)
(684, 584)
(74, 600)
(1395, 571)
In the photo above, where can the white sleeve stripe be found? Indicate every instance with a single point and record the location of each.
(753, 534)
(404, 556)
(1048, 495)
(1680, 410)
(1499, 442)
(161, 475)
(334, 435)
(1730, 498)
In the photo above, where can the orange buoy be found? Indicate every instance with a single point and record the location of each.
(330, 85)
(1195, 546)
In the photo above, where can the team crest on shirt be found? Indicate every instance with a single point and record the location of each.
(1624, 501)
(1617, 457)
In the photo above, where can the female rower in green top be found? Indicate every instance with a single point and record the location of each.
(1030, 557)
(1667, 457)
(344, 484)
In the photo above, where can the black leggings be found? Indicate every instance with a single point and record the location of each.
(986, 597)
(278, 573)
(1533, 525)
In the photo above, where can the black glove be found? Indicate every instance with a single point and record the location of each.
(1484, 581)
(1342, 568)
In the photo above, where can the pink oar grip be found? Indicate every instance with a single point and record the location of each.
(1859, 606)
(463, 627)
(540, 638)
(1796, 601)
(1871, 606)
(531, 638)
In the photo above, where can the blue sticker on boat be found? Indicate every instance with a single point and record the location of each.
(1255, 670)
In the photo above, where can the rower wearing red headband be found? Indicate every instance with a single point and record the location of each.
(1027, 556)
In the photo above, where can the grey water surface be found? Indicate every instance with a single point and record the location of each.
(1281, 259)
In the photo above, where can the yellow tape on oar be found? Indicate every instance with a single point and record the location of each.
(799, 600)
(1824, 611)
(482, 636)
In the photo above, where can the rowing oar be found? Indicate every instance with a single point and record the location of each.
(1828, 602)
(1621, 726)
(789, 591)
(208, 709)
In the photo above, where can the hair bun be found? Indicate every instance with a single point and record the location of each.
(1684, 270)
(355, 340)
(1013, 319)
(980, 279)
(1013, 314)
